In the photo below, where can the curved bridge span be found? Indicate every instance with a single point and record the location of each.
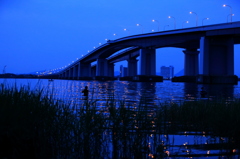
(208, 51)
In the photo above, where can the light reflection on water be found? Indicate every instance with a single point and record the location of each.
(131, 92)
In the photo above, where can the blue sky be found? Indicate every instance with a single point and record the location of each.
(48, 34)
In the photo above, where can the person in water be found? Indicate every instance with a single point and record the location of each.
(203, 93)
(85, 92)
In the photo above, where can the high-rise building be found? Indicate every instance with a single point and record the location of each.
(167, 72)
(123, 71)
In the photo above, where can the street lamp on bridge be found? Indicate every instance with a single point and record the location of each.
(184, 23)
(225, 5)
(165, 27)
(228, 16)
(174, 21)
(196, 17)
(204, 19)
(157, 22)
(141, 26)
(127, 31)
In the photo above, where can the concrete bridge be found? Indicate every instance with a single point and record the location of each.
(208, 50)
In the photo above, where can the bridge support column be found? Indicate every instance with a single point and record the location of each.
(111, 70)
(217, 60)
(84, 70)
(147, 62)
(65, 74)
(93, 71)
(191, 62)
(69, 73)
(74, 72)
(132, 67)
(216, 56)
(102, 67)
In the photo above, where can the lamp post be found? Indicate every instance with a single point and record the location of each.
(225, 5)
(184, 22)
(127, 31)
(141, 26)
(174, 21)
(228, 16)
(204, 19)
(196, 17)
(165, 27)
(157, 22)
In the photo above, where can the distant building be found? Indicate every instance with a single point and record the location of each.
(167, 72)
(123, 71)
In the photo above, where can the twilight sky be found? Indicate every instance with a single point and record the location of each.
(40, 35)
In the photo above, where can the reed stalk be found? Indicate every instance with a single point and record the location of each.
(35, 125)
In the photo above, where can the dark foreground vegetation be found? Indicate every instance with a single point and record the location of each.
(34, 125)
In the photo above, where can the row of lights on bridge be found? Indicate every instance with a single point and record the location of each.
(225, 5)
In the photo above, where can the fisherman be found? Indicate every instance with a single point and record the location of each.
(85, 93)
(203, 93)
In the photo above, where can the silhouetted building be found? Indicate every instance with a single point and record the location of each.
(167, 72)
(123, 71)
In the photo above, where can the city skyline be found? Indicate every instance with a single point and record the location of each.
(42, 35)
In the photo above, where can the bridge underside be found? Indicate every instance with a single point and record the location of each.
(209, 55)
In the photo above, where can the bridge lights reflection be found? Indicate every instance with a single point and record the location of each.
(225, 5)
(184, 23)
(204, 19)
(174, 21)
(157, 22)
(196, 17)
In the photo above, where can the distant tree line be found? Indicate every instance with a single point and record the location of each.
(11, 75)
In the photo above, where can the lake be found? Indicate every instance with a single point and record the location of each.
(130, 91)
(183, 143)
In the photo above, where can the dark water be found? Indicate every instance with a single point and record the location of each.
(132, 92)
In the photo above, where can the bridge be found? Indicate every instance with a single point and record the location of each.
(208, 51)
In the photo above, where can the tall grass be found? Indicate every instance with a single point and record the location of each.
(35, 125)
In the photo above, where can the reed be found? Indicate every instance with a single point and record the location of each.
(35, 125)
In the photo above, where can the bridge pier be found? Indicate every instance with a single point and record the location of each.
(75, 72)
(93, 71)
(70, 73)
(132, 67)
(111, 70)
(191, 62)
(65, 74)
(104, 70)
(148, 62)
(217, 60)
(84, 70)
